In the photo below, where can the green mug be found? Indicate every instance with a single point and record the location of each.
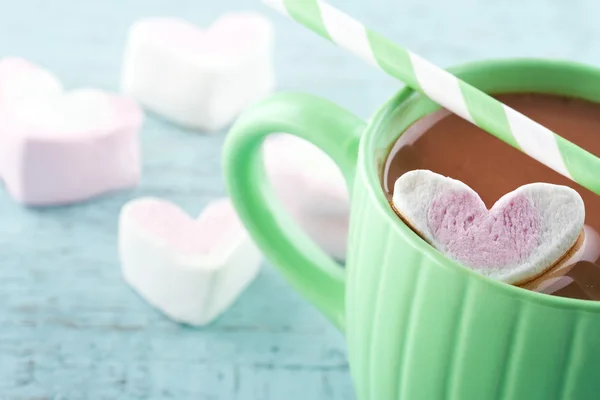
(419, 326)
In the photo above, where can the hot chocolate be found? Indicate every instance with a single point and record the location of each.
(450, 146)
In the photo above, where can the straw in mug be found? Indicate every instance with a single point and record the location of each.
(466, 101)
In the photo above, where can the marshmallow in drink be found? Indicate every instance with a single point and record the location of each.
(558, 277)
(200, 79)
(192, 270)
(312, 189)
(62, 146)
(523, 236)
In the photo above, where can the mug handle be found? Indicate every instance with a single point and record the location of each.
(334, 130)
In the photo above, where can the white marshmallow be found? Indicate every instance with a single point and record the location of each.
(191, 270)
(556, 280)
(200, 79)
(312, 188)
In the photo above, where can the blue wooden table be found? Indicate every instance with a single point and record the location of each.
(69, 326)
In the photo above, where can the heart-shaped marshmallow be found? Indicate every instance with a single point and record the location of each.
(62, 147)
(191, 270)
(555, 279)
(312, 189)
(199, 79)
(524, 234)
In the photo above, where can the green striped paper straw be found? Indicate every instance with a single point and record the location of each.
(466, 101)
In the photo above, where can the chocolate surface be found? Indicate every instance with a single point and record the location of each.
(448, 145)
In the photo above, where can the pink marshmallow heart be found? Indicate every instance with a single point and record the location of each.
(62, 147)
(524, 234)
(191, 270)
(292, 162)
(200, 78)
(312, 188)
(506, 234)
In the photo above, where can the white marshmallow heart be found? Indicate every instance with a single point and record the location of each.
(312, 189)
(191, 270)
(199, 79)
(62, 147)
(555, 279)
(521, 237)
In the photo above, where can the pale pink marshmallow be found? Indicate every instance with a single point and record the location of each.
(64, 147)
(312, 188)
(201, 79)
(191, 270)
(524, 234)
(330, 233)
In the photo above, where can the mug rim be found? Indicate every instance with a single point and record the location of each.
(367, 155)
